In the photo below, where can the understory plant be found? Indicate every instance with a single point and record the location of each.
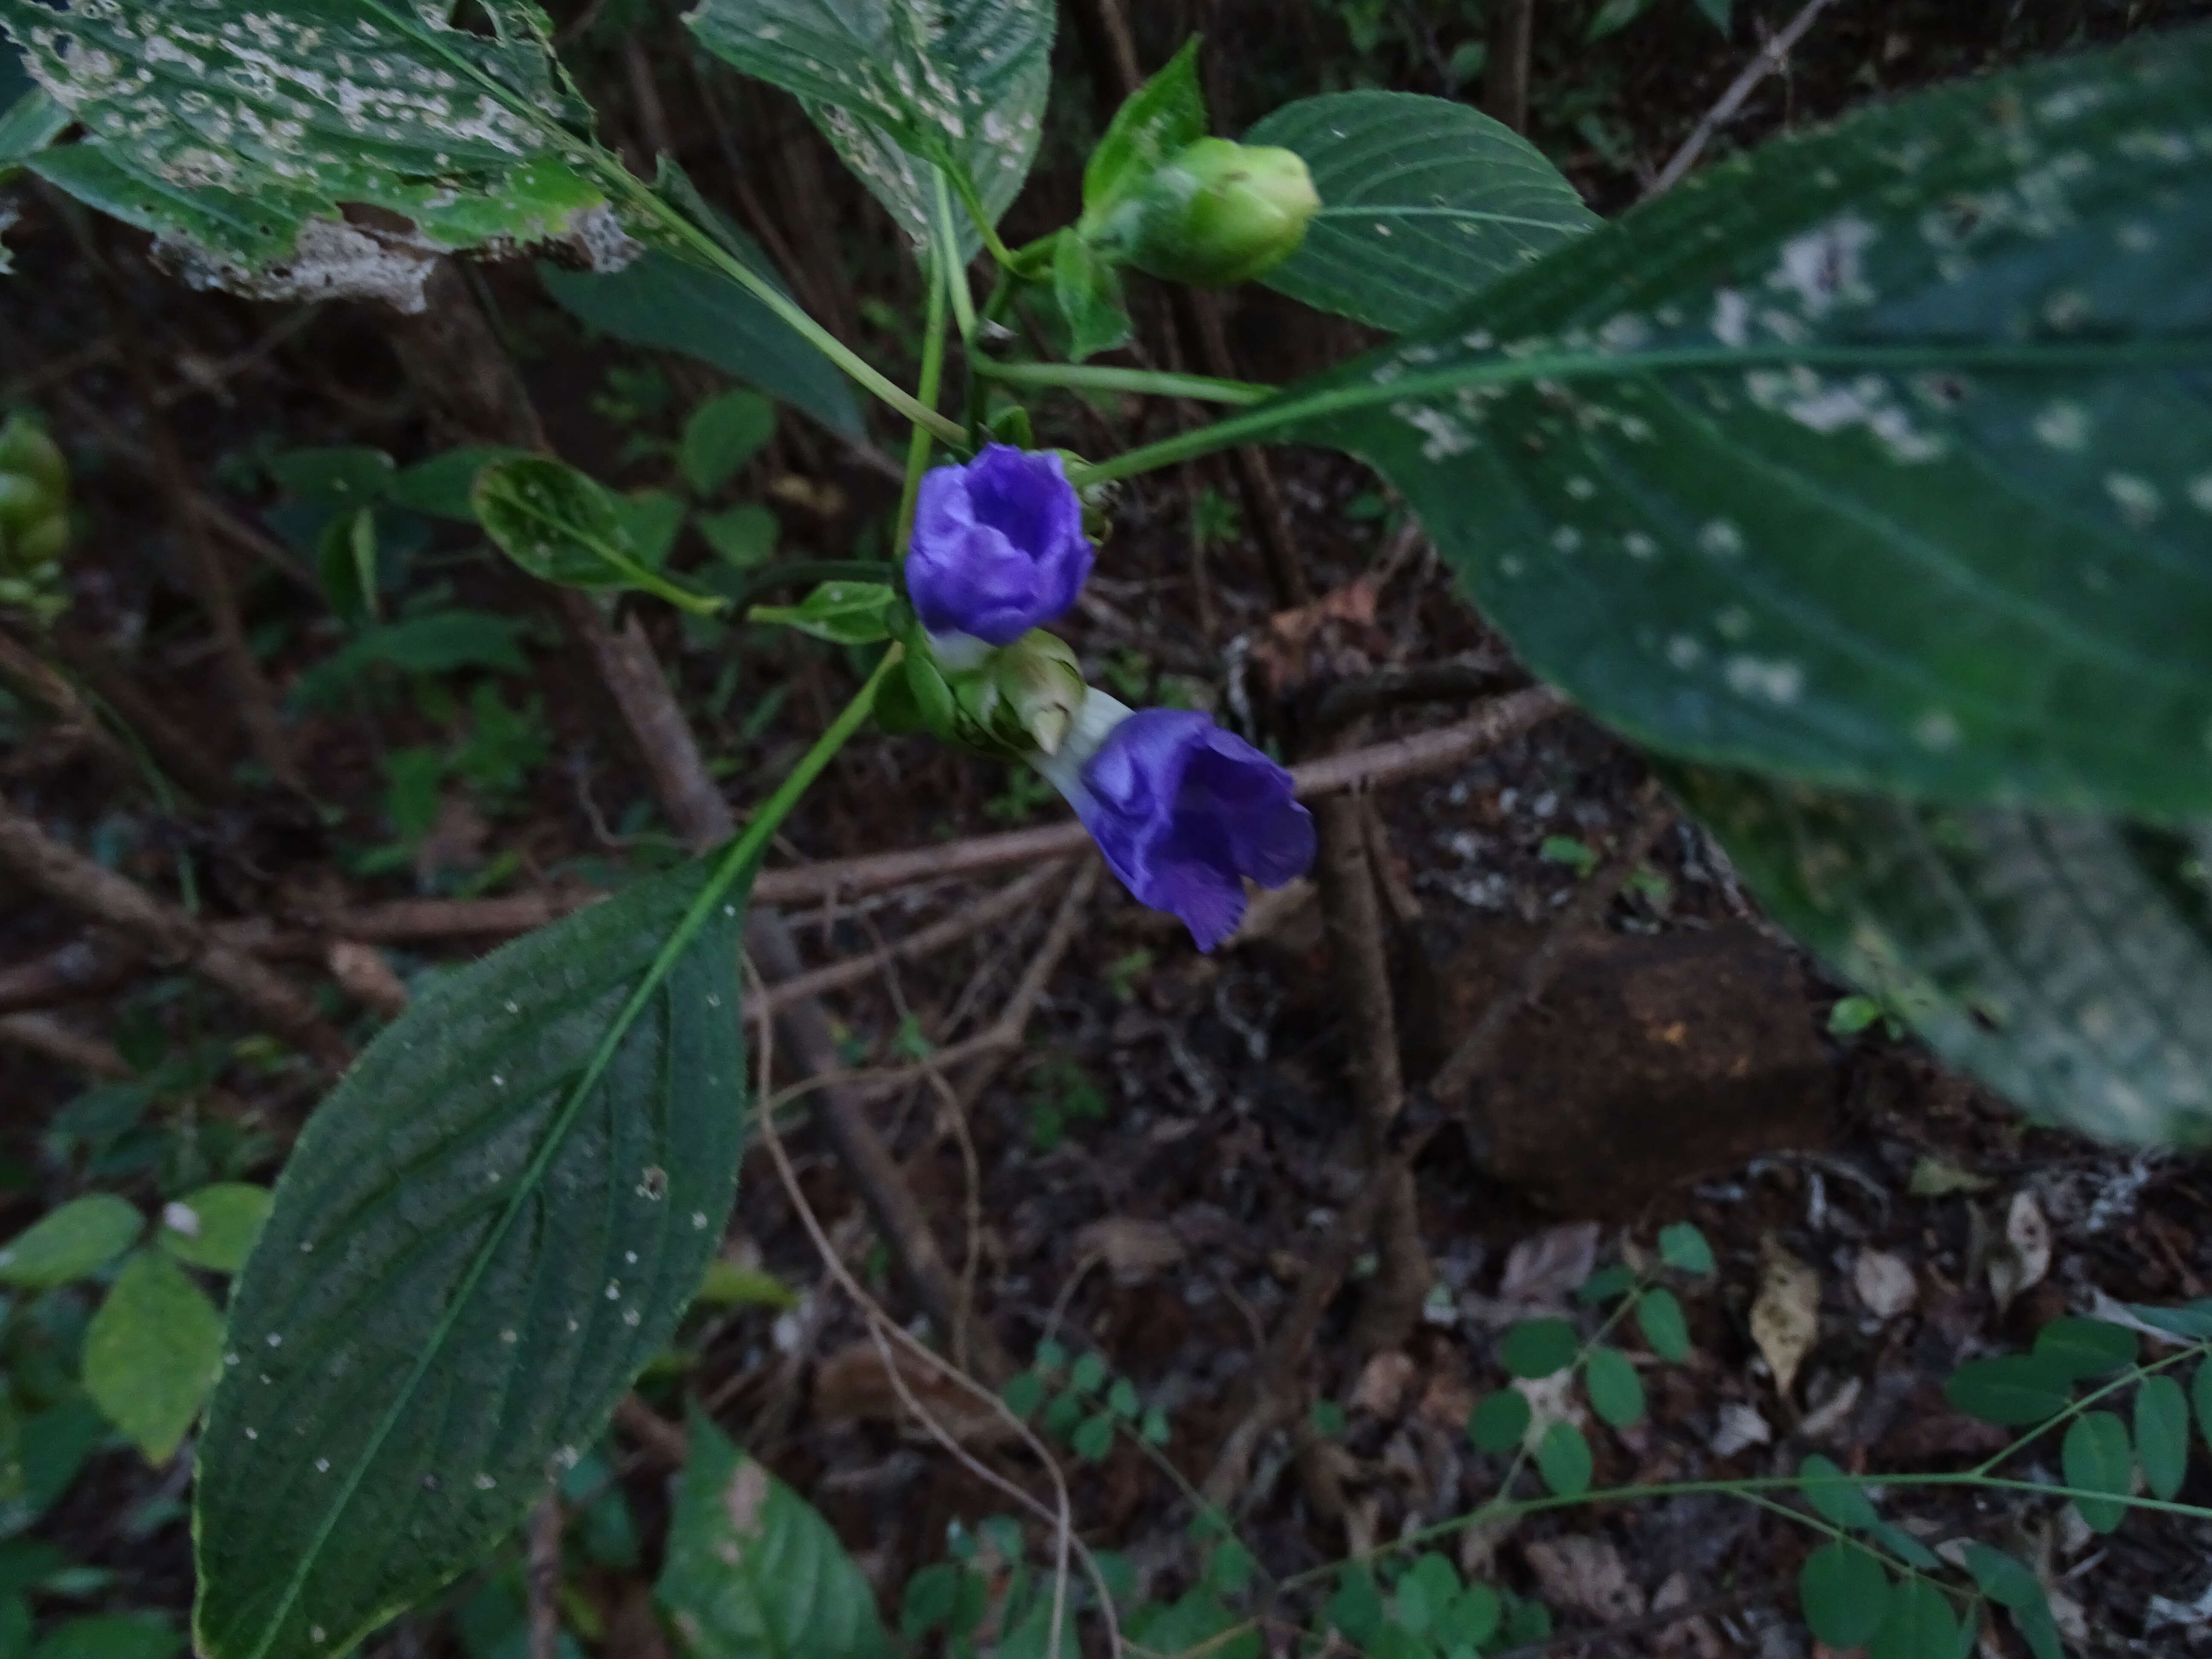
(1864, 482)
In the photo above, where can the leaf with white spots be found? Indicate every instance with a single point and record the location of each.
(236, 133)
(1881, 459)
(901, 86)
(2066, 960)
(1424, 202)
(471, 1258)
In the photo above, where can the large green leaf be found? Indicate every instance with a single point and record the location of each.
(81, 1237)
(484, 1234)
(1881, 459)
(1425, 202)
(902, 86)
(2065, 959)
(238, 133)
(673, 304)
(753, 1572)
(151, 1353)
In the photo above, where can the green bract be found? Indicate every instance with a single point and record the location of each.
(1216, 214)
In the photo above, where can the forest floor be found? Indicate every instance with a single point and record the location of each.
(1149, 1176)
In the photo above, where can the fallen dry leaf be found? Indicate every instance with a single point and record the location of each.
(363, 975)
(1884, 1282)
(1786, 1320)
(1824, 1419)
(1383, 1384)
(1132, 1249)
(854, 1385)
(1549, 1266)
(2021, 1261)
(1741, 1426)
(1586, 1574)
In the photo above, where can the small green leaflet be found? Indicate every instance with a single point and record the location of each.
(567, 528)
(721, 435)
(2162, 1434)
(843, 613)
(1563, 1458)
(1164, 116)
(151, 1353)
(1425, 202)
(216, 1227)
(755, 1573)
(2064, 959)
(2096, 1456)
(81, 1237)
(902, 86)
(485, 1232)
(1877, 459)
(236, 135)
(1845, 1594)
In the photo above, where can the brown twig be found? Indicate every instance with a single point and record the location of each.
(1505, 77)
(544, 1579)
(171, 935)
(1772, 57)
(42, 1034)
(35, 677)
(181, 756)
(84, 968)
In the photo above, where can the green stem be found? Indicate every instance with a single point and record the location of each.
(941, 277)
(2076, 1407)
(974, 203)
(868, 377)
(1268, 423)
(1101, 377)
(955, 269)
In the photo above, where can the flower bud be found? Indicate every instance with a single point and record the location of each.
(34, 521)
(1040, 690)
(1219, 213)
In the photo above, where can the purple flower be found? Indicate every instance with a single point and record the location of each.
(998, 545)
(1183, 810)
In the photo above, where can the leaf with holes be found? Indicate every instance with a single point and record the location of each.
(1878, 459)
(2066, 960)
(902, 87)
(753, 1572)
(235, 134)
(484, 1234)
(2096, 1457)
(1424, 202)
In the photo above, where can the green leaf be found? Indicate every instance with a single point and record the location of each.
(729, 1284)
(151, 1353)
(653, 518)
(1086, 291)
(1093, 1437)
(1845, 1594)
(335, 477)
(239, 144)
(2011, 1584)
(485, 1232)
(30, 117)
(1853, 1015)
(79, 1239)
(1905, 1547)
(566, 528)
(753, 1572)
(1538, 1347)
(2190, 1323)
(1425, 202)
(1721, 14)
(1684, 1249)
(1876, 460)
(898, 86)
(15, 1611)
(1499, 1422)
(439, 643)
(1916, 1623)
(441, 486)
(723, 434)
(1605, 1283)
(2086, 1347)
(112, 1636)
(1834, 1497)
(2067, 960)
(2162, 1434)
(1614, 16)
(672, 304)
(843, 613)
(1659, 1316)
(2011, 1390)
(744, 537)
(2096, 1458)
(1471, 1620)
(1426, 1593)
(1024, 1393)
(1616, 1392)
(1165, 115)
(2200, 1397)
(216, 1227)
(1563, 1458)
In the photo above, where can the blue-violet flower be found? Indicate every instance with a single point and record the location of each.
(1183, 811)
(998, 545)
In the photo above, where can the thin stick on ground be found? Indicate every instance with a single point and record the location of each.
(1772, 57)
(42, 1034)
(545, 1580)
(67, 876)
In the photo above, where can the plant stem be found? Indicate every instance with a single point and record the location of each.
(997, 249)
(2133, 1374)
(1105, 378)
(947, 234)
(1348, 394)
(942, 276)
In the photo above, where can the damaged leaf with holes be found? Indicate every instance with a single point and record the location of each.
(235, 133)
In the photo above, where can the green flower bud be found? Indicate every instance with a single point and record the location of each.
(1219, 213)
(34, 522)
(1010, 704)
(1040, 690)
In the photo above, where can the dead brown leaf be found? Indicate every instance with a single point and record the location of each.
(1885, 1283)
(854, 1385)
(1132, 1249)
(1586, 1574)
(363, 975)
(1333, 638)
(1547, 1267)
(1383, 1384)
(1786, 1320)
(2019, 1262)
